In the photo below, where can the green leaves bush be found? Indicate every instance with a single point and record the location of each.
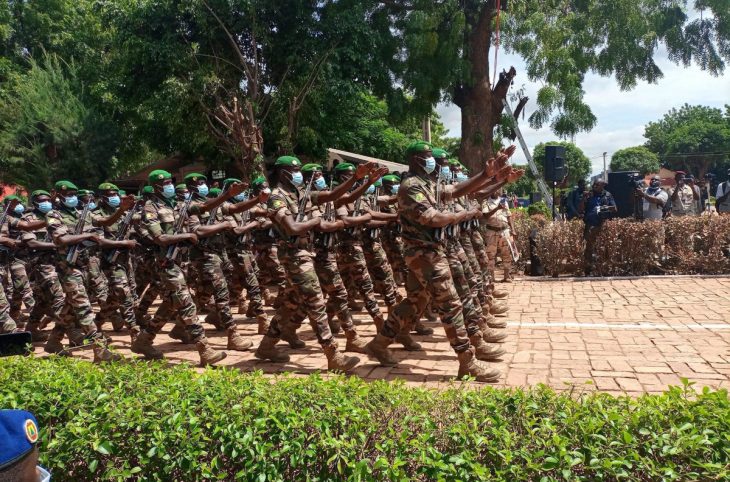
(152, 422)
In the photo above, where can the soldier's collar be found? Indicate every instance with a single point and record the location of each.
(169, 202)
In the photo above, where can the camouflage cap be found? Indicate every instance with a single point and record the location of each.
(39, 192)
(195, 177)
(214, 192)
(258, 182)
(107, 186)
(312, 167)
(158, 175)
(439, 153)
(391, 178)
(65, 186)
(287, 161)
(418, 146)
(344, 167)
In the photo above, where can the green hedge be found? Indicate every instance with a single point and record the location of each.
(148, 421)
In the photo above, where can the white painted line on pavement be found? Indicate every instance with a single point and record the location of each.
(622, 326)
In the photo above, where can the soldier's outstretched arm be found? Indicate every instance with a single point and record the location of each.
(208, 230)
(234, 190)
(248, 204)
(126, 204)
(31, 225)
(293, 228)
(341, 194)
(492, 167)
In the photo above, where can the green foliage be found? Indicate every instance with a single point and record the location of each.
(540, 207)
(637, 158)
(171, 423)
(578, 164)
(691, 137)
(48, 132)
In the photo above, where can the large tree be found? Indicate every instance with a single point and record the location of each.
(693, 137)
(448, 46)
(637, 158)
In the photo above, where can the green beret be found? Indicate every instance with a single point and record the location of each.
(418, 146)
(229, 181)
(158, 175)
(12, 197)
(214, 192)
(258, 181)
(65, 186)
(439, 153)
(148, 190)
(344, 166)
(454, 162)
(288, 161)
(84, 192)
(122, 192)
(311, 167)
(181, 187)
(378, 183)
(39, 192)
(391, 178)
(107, 186)
(194, 176)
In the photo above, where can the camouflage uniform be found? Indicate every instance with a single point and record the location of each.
(7, 323)
(22, 293)
(377, 262)
(495, 228)
(393, 245)
(120, 298)
(267, 257)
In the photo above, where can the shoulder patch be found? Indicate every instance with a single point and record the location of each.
(277, 204)
(419, 197)
(149, 216)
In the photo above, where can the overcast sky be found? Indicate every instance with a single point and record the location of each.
(621, 116)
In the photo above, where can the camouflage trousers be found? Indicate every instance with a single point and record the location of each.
(380, 271)
(208, 269)
(7, 324)
(98, 284)
(77, 312)
(429, 280)
(272, 272)
(480, 249)
(47, 291)
(472, 269)
(121, 298)
(147, 281)
(244, 273)
(459, 265)
(393, 246)
(22, 290)
(497, 244)
(301, 298)
(325, 264)
(354, 269)
(177, 304)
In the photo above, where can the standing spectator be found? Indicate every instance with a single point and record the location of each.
(682, 196)
(654, 199)
(515, 202)
(722, 196)
(599, 206)
(575, 201)
(696, 192)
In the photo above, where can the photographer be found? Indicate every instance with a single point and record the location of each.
(722, 196)
(599, 206)
(575, 200)
(654, 198)
(683, 197)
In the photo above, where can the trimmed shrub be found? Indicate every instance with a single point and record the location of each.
(560, 247)
(627, 247)
(152, 422)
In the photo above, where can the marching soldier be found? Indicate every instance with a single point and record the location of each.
(288, 207)
(498, 226)
(267, 252)
(22, 293)
(429, 275)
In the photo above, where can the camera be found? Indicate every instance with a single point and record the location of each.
(636, 181)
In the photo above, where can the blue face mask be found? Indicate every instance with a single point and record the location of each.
(446, 173)
(296, 178)
(239, 197)
(45, 207)
(461, 177)
(71, 202)
(371, 189)
(203, 189)
(430, 164)
(92, 206)
(168, 190)
(114, 201)
(320, 183)
(394, 188)
(19, 209)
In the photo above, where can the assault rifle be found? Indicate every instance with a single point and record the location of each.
(302, 206)
(73, 252)
(122, 232)
(373, 232)
(438, 233)
(328, 239)
(174, 249)
(245, 218)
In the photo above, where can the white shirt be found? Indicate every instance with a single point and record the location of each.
(654, 211)
(722, 189)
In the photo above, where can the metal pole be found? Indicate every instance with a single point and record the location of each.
(605, 171)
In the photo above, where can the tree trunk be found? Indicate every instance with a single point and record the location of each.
(481, 105)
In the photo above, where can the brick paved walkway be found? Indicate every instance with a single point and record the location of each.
(619, 336)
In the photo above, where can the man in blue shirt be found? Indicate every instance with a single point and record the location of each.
(599, 206)
(575, 201)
